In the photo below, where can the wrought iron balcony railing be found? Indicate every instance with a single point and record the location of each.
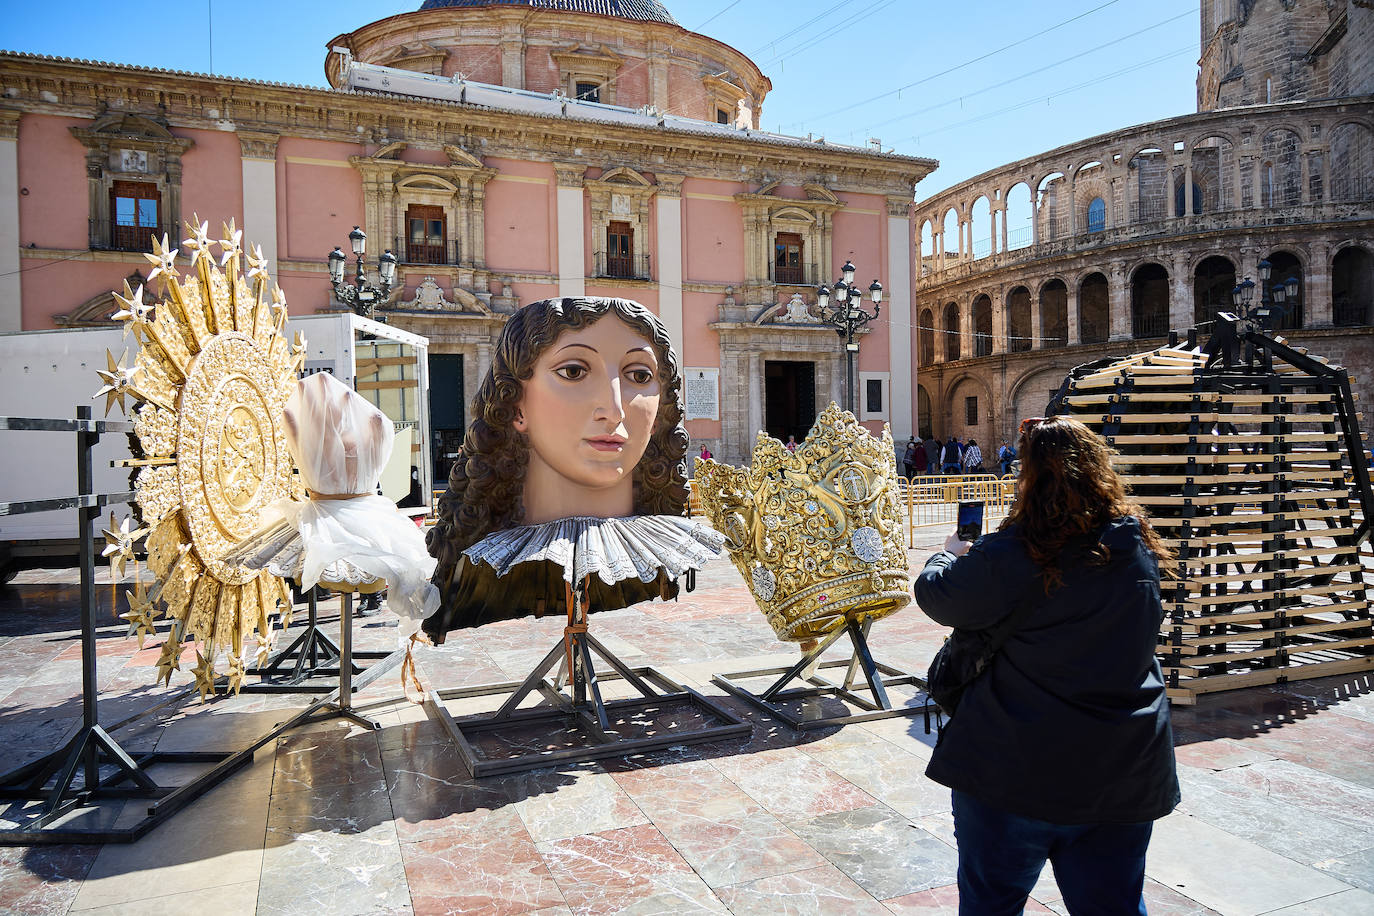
(633, 267)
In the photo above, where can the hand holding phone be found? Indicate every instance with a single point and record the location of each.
(970, 524)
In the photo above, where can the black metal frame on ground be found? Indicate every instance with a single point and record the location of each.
(92, 746)
(877, 675)
(584, 706)
(312, 654)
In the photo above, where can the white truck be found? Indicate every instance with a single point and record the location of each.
(47, 374)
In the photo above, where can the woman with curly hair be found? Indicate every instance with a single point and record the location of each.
(1061, 750)
(579, 416)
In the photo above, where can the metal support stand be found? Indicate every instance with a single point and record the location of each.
(77, 766)
(877, 675)
(312, 654)
(609, 727)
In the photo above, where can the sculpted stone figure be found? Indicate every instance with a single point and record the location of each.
(579, 418)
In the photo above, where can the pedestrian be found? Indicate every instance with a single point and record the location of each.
(1061, 749)
(791, 443)
(972, 458)
(909, 458)
(1005, 456)
(705, 452)
(949, 458)
(932, 455)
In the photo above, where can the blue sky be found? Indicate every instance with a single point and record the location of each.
(973, 85)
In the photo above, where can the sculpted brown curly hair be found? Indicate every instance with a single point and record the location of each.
(1068, 489)
(487, 481)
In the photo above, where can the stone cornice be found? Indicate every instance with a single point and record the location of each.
(186, 101)
(9, 124)
(570, 174)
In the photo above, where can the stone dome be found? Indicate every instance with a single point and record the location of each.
(644, 10)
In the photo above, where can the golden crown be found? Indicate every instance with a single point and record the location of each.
(817, 533)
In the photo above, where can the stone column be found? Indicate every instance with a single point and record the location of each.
(754, 385)
(1119, 301)
(1180, 293)
(898, 305)
(1071, 315)
(999, 321)
(966, 333)
(1315, 293)
(572, 242)
(1003, 211)
(1070, 182)
(259, 152)
(1188, 188)
(1037, 332)
(512, 56)
(668, 270)
(11, 306)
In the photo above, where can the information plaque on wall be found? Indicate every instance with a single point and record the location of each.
(701, 394)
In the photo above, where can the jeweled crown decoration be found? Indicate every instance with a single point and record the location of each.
(816, 533)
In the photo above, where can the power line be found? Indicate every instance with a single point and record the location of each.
(968, 95)
(814, 19)
(1048, 98)
(812, 42)
(969, 63)
(727, 9)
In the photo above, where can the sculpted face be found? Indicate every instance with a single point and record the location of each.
(588, 410)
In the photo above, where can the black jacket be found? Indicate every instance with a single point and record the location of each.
(1070, 723)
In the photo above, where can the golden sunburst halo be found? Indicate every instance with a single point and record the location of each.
(210, 384)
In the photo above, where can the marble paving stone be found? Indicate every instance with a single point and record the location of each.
(337, 873)
(315, 761)
(791, 785)
(346, 809)
(1229, 874)
(1299, 786)
(216, 841)
(1328, 742)
(907, 733)
(1346, 903)
(730, 850)
(814, 892)
(492, 872)
(881, 850)
(888, 773)
(554, 805)
(1271, 821)
(42, 880)
(1218, 754)
(228, 900)
(632, 870)
(692, 789)
(942, 901)
(1159, 901)
(1355, 868)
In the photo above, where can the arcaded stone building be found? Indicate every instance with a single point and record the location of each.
(1101, 247)
(505, 152)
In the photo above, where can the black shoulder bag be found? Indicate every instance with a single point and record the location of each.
(964, 656)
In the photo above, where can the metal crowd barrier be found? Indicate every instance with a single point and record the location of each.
(933, 499)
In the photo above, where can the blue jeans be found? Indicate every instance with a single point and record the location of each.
(1100, 868)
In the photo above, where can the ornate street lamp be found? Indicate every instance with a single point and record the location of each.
(847, 315)
(361, 296)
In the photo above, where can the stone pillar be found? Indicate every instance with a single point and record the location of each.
(11, 306)
(1180, 293)
(754, 383)
(259, 153)
(1315, 293)
(658, 78)
(1070, 181)
(1035, 215)
(999, 321)
(572, 241)
(898, 305)
(512, 56)
(966, 333)
(1071, 315)
(1037, 332)
(1188, 188)
(1119, 301)
(1003, 211)
(668, 223)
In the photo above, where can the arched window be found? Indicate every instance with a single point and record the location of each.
(1094, 320)
(982, 326)
(925, 339)
(1097, 215)
(1150, 301)
(951, 329)
(1054, 314)
(1352, 285)
(1019, 312)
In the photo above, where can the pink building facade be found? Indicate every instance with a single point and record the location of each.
(723, 230)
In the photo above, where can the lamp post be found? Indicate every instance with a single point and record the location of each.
(1276, 296)
(361, 296)
(848, 316)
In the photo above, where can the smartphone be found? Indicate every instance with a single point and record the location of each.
(970, 526)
